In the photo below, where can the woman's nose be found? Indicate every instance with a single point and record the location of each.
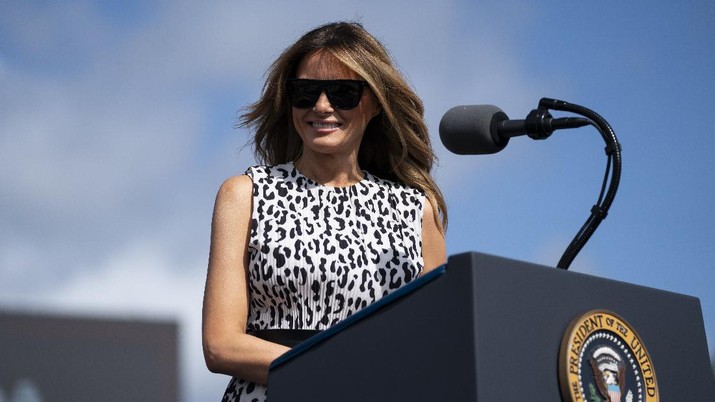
(322, 105)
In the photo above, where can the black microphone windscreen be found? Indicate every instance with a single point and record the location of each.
(467, 130)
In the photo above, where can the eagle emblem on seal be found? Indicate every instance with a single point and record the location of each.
(610, 375)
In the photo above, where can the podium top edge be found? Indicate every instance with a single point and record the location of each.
(359, 315)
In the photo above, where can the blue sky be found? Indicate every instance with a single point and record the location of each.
(116, 129)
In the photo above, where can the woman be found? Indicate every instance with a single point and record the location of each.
(344, 211)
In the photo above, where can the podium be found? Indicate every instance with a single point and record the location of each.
(486, 328)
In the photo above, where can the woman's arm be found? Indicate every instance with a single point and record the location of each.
(434, 249)
(227, 347)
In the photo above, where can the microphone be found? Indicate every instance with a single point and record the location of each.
(486, 129)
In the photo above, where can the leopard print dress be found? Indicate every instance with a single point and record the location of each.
(318, 254)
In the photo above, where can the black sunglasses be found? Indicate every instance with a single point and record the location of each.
(342, 94)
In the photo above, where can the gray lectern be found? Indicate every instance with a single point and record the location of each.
(485, 328)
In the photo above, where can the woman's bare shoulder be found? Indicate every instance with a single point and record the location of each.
(236, 188)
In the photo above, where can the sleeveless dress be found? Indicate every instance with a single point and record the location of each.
(318, 254)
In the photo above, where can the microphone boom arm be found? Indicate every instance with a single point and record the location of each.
(605, 199)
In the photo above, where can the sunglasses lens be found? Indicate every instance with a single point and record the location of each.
(303, 93)
(342, 94)
(345, 95)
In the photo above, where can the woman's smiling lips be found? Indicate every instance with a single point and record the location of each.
(325, 126)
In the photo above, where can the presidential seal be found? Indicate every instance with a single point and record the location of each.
(602, 359)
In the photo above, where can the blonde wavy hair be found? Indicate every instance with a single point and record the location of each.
(396, 144)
